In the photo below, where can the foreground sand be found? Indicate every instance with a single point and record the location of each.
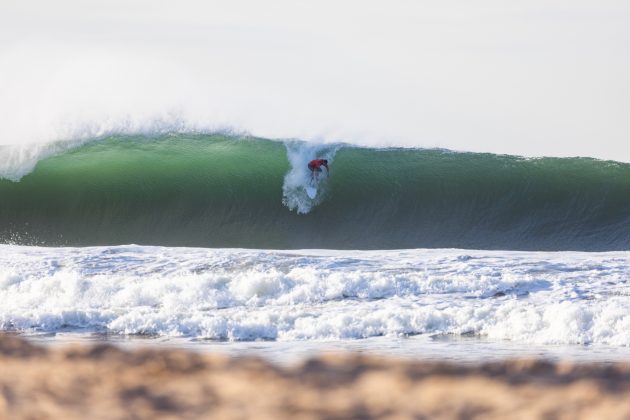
(103, 382)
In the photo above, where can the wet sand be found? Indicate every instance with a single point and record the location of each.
(104, 382)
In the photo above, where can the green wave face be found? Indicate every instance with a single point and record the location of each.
(220, 191)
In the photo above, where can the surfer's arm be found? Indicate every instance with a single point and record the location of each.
(327, 170)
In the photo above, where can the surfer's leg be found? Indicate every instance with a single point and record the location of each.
(312, 169)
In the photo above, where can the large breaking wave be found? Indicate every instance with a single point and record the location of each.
(230, 191)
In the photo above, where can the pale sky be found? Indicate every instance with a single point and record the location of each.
(535, 77)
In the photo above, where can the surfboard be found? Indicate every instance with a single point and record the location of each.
(311, 192)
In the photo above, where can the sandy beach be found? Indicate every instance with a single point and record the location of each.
(104, 382)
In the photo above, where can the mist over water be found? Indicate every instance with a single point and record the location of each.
(533, 78)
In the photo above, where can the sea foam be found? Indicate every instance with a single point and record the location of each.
(298, 178)
(528, 297)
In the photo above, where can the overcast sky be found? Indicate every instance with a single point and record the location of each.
(524, 77)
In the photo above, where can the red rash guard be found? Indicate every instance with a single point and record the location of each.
(316, 164)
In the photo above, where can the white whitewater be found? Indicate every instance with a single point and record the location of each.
(232, 294)
(295, 189)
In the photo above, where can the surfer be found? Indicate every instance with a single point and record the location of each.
(315, 166)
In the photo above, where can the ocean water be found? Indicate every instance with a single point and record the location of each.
(210, 241)
(227, 191)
